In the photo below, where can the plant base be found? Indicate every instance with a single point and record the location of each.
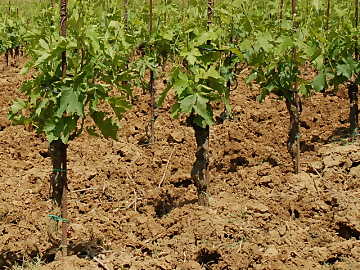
(200, 169)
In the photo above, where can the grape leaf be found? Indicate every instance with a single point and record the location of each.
(107, 126)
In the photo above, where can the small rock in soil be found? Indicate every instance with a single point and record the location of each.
(355, 252)
(332, 161)
(271, 251)
(257, 207)
(355, 171)
(192, 265)
(317, 166)
(176, 136)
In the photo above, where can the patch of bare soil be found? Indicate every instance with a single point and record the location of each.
(134, 206)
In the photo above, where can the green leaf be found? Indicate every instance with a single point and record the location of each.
(347, 69)
(187, 103)
(175, 110)
(69, 102)
(49, 129)
(168, 35)
(18, 106)
(237, 52)
(26, 68)
(180, 83)
(251, 77)
(107, 126)
(44, 56)
(119, 105)
(192, 55)
(163, 95)
(202, 108)
(263, 41)
(43, 105)
(92, 131)
(319, 82)
(212, 72)
(43, 44)
(65, 127)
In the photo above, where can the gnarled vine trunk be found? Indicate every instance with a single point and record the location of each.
(59, 187)
(126, 13)
(6, 58)
(200, 169)
(353, 88)
(281, 7)
(293, 144)
(151, 85)
(354, 109)
(210, 12)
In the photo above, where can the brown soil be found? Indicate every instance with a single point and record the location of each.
(134, 206)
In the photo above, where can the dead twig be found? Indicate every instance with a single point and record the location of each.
(316, 188)
(166, 167)
(130, 177)
(84, 189)
(134, 202)
(101, 264)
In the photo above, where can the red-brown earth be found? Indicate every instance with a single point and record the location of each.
(133, 206)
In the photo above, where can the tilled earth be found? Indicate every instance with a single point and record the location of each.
(133, 206)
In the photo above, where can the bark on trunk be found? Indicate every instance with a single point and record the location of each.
(293, 144)
(151, 86)
(281, 7)
(126, 14)
(328, 8)
(6, 58)
(210, 13)
(353, 88)
(59, 186)
(152, 107)
(63, 25)
(200, 169)
(354, 109)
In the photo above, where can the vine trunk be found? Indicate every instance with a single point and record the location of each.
(293, 143)
(59, 186)
(200, 169)
(353, 91)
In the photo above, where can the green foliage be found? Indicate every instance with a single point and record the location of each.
(197, 80)
(276, 55)
(96, 60)
(103, 53)
(335, 63)
(12, 32)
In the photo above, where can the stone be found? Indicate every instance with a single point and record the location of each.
(191, 265)
(355, 171)
(332, 161)
(271, 251)
(257, 207)
(305, 181)
(176, 136)
(355, 252)
(317, 165)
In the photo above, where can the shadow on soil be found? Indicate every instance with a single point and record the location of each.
(206, 258)
(339, 134)
(86, 250)
(347, 232)
(167, 203)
